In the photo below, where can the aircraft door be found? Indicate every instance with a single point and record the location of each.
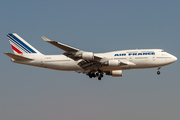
(153, 57)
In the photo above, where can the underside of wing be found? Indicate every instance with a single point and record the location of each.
(89, 65)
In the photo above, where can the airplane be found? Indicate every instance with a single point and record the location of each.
(92, 64)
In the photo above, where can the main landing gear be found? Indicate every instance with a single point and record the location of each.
(158, 72)
(94, 74)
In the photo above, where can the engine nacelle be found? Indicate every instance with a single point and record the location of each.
(113, 63)
(87, 55)
(115, 73)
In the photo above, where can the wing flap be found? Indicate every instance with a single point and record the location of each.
(89, 65)
(70, 55)
(17, 57)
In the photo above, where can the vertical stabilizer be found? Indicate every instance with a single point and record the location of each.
(20, 46)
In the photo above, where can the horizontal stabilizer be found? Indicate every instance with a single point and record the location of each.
(17, 57)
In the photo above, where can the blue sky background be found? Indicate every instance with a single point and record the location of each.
(31, 93)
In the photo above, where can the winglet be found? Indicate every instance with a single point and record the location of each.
(46, 39)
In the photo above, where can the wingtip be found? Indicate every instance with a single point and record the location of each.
(5, 53)
(46, 39)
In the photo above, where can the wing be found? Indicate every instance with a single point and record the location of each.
(71, 52)
(76, 54)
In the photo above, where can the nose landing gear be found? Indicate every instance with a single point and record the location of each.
(158, 72)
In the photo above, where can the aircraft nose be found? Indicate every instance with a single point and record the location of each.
(174, 58)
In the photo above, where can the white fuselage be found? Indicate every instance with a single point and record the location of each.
(89, 63)
(140, 58)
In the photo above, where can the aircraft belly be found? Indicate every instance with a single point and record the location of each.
(58, 65)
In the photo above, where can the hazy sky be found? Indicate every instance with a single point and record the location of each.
(31, 93)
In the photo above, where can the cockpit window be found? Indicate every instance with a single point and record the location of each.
(162, 51)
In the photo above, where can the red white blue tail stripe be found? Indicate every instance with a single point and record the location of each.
(19, 45)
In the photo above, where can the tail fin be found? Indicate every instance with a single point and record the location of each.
(20, 46)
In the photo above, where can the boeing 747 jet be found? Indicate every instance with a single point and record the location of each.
(89, 63)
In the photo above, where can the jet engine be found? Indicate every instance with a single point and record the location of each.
(113, 63)
(87, 55)
(115, 73)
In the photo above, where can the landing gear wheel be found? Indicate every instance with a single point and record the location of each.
(99, 78)
(90, 76)
(97, 74)
(93, 75)
(101, 75)
(158, 72)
